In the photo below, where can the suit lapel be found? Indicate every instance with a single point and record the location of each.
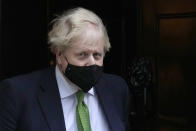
(105, 97)
(50, 102)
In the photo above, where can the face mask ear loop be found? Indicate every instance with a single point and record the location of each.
(64, 57)
(67, 62)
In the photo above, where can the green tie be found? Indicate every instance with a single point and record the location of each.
(82, 114)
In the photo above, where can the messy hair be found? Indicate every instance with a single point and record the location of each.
(68, 27)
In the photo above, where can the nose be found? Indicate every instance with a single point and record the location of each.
(91, 61)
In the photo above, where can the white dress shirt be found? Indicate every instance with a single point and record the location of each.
(69, 102)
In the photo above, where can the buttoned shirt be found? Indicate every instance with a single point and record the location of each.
(67, 91)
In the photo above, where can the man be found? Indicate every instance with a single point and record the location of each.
(75, 95)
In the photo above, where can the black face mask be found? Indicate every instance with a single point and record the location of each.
(84, 76)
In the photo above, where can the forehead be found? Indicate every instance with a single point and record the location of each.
(80, 46)
(91, 38)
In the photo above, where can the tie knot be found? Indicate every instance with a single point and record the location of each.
(80, 96)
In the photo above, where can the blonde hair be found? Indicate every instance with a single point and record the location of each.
(68, 27)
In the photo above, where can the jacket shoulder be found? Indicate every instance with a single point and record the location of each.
(113, 78)
(30, 81)
(29, 77)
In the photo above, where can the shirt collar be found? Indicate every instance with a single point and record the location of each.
(66, 87)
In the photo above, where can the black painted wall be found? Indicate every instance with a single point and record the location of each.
(23, 44)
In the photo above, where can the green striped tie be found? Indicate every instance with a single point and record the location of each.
(82, 114)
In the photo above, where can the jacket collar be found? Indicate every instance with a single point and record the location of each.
(50, 102)
(107, 102)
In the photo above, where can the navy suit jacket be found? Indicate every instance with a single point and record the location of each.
(32, 102)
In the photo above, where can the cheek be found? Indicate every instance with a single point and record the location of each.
(100, 63)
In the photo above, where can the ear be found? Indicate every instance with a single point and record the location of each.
(58, 56)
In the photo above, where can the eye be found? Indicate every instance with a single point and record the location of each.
(83, 54)
(97, 55)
